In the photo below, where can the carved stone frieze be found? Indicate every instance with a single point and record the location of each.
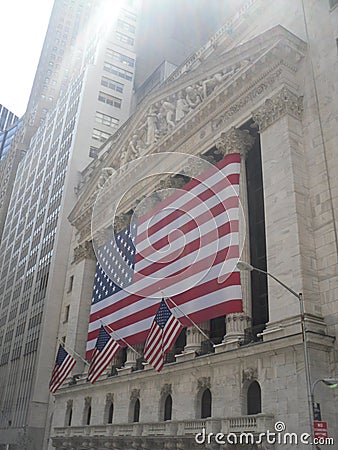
(284, 102)
(251, 96)
(83, 251)
(107, 172)
(234, 141)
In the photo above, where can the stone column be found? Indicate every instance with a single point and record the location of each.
(239, 141)
(194, 341)
(81, 290)
(290, 246)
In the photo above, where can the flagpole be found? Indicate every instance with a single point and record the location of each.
(191, 321)
(123, 340)
(72, 351)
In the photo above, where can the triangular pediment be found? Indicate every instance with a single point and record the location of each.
(170, 113)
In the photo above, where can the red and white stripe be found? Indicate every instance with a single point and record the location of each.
(160, 341)
(203, 222)
(101, 359)
(60, 373)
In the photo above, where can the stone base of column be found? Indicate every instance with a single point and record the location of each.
(236, 323)
(124, 370)
(292, 325)
(186, 355)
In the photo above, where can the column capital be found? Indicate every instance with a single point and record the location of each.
(282, 103)
(84, 251)
(233, 141)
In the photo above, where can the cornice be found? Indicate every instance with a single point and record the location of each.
(283, 102)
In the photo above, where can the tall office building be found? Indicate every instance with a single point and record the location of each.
(36, 238)
(7, 118)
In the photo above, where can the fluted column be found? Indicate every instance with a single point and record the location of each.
(239, 141)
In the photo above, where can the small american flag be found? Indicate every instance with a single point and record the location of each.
(63, 366)
(105, 350)
(163, 333)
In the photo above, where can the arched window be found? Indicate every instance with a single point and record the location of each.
(206, 404)
(69, 413)
(110, 413)
(168, 406)
(254, 401)
(136, 416)
(89, 414)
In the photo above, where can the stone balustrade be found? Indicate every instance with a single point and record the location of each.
(258, 423)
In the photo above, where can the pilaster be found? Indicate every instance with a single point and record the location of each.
(289, 235)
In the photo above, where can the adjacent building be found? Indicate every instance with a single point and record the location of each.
(36, 238)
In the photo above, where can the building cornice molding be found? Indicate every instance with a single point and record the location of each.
(282, 103)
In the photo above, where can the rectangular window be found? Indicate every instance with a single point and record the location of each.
(128, 15)
(99, 135)
(118, 71)
(124, 38)
(126, 26)
(67, 313)
(110, 100)
(112, 84)
(120, 58)
(106, 120)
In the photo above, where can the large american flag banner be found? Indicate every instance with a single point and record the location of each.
(163, 333)
(185, 248)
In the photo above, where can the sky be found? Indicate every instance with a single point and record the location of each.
(22, 31)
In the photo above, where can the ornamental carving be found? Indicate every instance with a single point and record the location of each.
(135, 394)
(234, 141)
(244, 100)
(284, 102)
(121, 221)
(83, 251)
(203, 383)
(166, 390)
(249, 374)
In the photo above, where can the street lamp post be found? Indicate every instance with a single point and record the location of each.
(330, 382)
(248, 267)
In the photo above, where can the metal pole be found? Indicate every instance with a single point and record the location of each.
(249, 267)
(306, 363)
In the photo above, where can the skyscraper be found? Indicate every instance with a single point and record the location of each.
(86, 110)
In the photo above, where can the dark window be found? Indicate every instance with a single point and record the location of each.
(136, 417)
(89, 413)
(259, 288)
(110, 413)
(69, 417)
(206, 404)
(168, 406)
(254, 398)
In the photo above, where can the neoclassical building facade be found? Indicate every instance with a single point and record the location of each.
(262, 86)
